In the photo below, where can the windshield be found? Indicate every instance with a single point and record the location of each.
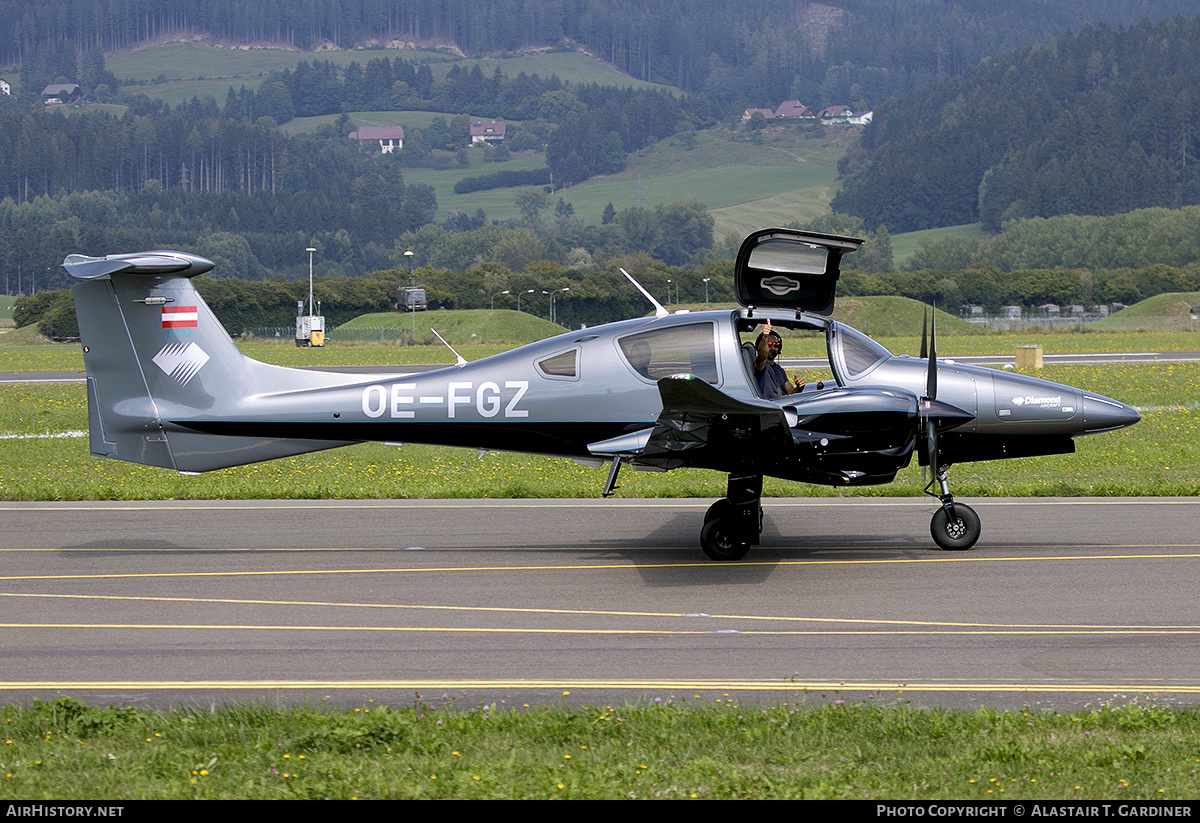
(854, 353)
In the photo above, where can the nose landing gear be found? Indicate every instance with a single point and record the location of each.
(955, 526)
(733, 524)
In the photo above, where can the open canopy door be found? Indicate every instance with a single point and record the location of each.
(788, 269)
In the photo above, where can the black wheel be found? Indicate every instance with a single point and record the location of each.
(959, 535)
(718, 544)
(717, 511)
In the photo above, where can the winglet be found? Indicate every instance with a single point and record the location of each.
(659, 311)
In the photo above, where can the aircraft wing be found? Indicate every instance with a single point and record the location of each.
(839, 436)
(701, 426)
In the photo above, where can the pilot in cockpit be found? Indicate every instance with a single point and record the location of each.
(772, 379)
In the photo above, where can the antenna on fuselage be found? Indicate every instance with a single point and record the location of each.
(659, 311)
(462, 361)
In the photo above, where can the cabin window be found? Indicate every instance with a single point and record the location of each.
(689, 349)
(562, 365)
(789, 257)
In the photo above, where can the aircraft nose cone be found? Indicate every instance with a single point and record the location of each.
(1104, 414)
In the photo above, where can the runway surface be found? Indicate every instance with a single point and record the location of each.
(1064, 602)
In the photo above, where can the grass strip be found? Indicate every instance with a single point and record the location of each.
(1160, 457)
(679, 746)
(32, 356)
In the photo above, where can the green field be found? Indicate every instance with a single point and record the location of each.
(907, 244)
(476, 328)
(677, 745)
(497, 204)
(197, 69)
(1159, 456)
(789, 177)
(21, 350)
(408, 119)
(1164, 446)
(746, 187)
(1172, 310)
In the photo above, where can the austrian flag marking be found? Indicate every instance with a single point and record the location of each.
(179, 317)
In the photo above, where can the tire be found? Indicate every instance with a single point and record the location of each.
(717, 511)
(960, 535)
(717, 543)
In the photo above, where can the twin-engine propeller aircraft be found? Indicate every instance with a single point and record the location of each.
(167, 387)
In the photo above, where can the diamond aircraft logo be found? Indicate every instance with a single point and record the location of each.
(1044, 401)
(181, 360)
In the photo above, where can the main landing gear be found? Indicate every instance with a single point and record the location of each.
(955, 526)
(733, 524)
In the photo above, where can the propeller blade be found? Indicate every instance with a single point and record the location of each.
(925, 334)
(931, 444)
(926, 402)
(931, 384)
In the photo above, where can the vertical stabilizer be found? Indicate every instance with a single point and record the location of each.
(155, 353)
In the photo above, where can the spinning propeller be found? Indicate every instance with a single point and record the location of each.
(954, 527)
(927, 402)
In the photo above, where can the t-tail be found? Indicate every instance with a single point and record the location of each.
(155, 353)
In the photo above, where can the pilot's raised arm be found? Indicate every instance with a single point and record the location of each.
(772, 379)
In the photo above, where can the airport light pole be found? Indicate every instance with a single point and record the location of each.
(412, 299)
(554, 294)
(310, 251)
(531, 291)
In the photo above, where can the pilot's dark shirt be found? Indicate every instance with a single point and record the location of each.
(771, 381)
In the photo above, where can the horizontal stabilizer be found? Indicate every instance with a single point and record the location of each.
(148, 263)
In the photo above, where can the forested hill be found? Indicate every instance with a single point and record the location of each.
(1100, 122)
(751, 53)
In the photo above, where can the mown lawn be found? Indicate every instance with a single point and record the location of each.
(673, 746)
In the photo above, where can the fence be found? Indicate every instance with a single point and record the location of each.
(1088, 324)
(399, 336)
(886, 327)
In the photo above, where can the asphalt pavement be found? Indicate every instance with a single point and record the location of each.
(1064, 602)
